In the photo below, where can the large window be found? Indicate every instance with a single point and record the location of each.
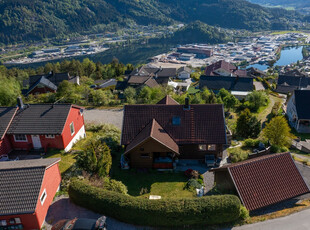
(72, 128)
(211, 147)
(50, 136)
(202, 147)
(43, 197)
(20, 138)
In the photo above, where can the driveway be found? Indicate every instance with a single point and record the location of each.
(296, 221)
(104, 116)
(63, 208)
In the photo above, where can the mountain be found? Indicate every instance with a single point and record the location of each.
(24, 20)
(302, 6)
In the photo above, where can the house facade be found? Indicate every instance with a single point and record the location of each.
(156, 135)
(223, 68)
(43, 126)
(184, 73)
(298, 111)
(25, 205)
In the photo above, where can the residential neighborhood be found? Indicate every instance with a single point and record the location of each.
(108, 144)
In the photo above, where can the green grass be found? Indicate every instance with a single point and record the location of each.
(239, 153)
(67, 159)
(263, 112)
(192, 90)
(165, 184)
(303, 136)
(285, 32)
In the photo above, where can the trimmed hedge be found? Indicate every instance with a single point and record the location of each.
(164, 212)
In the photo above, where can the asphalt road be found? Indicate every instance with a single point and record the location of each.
(296, 221)
(105, 116)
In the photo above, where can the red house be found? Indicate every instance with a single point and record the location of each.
(27, 190)
(40, 126)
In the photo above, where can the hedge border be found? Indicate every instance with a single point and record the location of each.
(165, 212)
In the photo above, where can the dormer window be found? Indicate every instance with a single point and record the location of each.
(176, 120)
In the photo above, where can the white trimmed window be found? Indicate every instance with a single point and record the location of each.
(202, 147)
(211, 147)
(72, 128)
(50, 136)
(20, 138)
(43, 197)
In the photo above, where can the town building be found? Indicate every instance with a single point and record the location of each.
(223, 68)
(262, 181)
(40, 127)
(298, 111)
(27, 190)
(155, 135)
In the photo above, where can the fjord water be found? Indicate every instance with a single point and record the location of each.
(288, 56)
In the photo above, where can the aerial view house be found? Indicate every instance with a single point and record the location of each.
(223, 68)
(184, 73)
(298, 111)
(39, 84)
(287, 84)
(262, 181)
(27, 190)
(105, 84)
(41, 126)
(155, 135)
(240, 87)
(254, 72)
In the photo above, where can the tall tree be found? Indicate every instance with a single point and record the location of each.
(247, 125)
(278, 132)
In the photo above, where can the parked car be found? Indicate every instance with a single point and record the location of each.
(4, 157)
(81, 224)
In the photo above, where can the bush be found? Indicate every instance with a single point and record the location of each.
(251, 143)
(192, 184)
(164, 212)
(278, 149)
(200, 181)
(237, 155)
(116, 186)
(244, 213)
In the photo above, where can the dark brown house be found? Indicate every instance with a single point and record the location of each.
(155, 135)
(262, 181)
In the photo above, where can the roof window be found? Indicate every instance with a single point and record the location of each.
(176, 120)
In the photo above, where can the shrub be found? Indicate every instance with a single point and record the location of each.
(200, 181)
(117, 186)
(237, 155)
(200, 176)
(244, 213)
(278, 149)
(192, 184)
(164, 212)
(252, 143)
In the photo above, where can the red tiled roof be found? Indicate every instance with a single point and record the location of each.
(167, 100)
(156, 132)
(266, 180)
(200, 124)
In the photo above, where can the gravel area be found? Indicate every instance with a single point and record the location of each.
(63, 208)
(208, 180)
(108, 116)
(259, 86)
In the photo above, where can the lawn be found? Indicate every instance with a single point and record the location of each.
(67, 159)
(151, 182)
(266, 110)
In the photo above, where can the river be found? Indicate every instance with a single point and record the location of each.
(288, 56)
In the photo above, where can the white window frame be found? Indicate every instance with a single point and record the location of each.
(212, 147)
(50, 136)
(72, 133)
(26, 140)
(44, 198)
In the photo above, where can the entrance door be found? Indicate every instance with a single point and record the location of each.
(36, 141)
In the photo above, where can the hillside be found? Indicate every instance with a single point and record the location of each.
(302, 6)
(197, 32)
(24, 20)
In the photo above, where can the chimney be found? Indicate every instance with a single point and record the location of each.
(20, 103)
(186, 106)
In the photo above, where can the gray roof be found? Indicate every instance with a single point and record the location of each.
(39, 119)
(184, 68)
(302, 98)
(105, 83)
(43, 81)
(21, 184)
(298, 81)
(6, 115)
(228, 83)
